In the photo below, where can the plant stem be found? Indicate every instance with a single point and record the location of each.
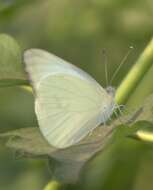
(138, 82)
(53, 185)
(27, 88)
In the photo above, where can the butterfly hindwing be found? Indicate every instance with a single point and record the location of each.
(67, 108)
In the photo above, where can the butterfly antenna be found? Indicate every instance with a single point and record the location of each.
(105, 65)
(121, 64)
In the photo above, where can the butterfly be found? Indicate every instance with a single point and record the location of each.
(69, 103)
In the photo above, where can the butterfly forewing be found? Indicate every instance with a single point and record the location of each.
(40, 64)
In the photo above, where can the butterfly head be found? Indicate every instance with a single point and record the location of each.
(111, 91)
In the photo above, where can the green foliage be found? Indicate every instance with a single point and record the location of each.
(80, 30)
(67, 164)
(11, 72)
(30, 142)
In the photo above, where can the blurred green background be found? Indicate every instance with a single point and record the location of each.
(77, 31)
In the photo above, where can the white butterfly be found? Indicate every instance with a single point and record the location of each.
(69, 103)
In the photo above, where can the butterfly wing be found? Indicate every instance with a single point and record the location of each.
(41, 63)
(69, 103)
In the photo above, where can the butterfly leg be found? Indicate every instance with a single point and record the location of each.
(119, 115)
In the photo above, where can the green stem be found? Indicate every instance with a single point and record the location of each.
(13, 82)
(140, 75)
(53, 185)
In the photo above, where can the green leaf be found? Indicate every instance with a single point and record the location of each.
(11, 67)
(118, 166)
(144, 131)
(29, 142)
(145, 111)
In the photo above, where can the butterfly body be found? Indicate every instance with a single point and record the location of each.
(69, 103)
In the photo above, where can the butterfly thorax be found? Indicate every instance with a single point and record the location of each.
(108, 104)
